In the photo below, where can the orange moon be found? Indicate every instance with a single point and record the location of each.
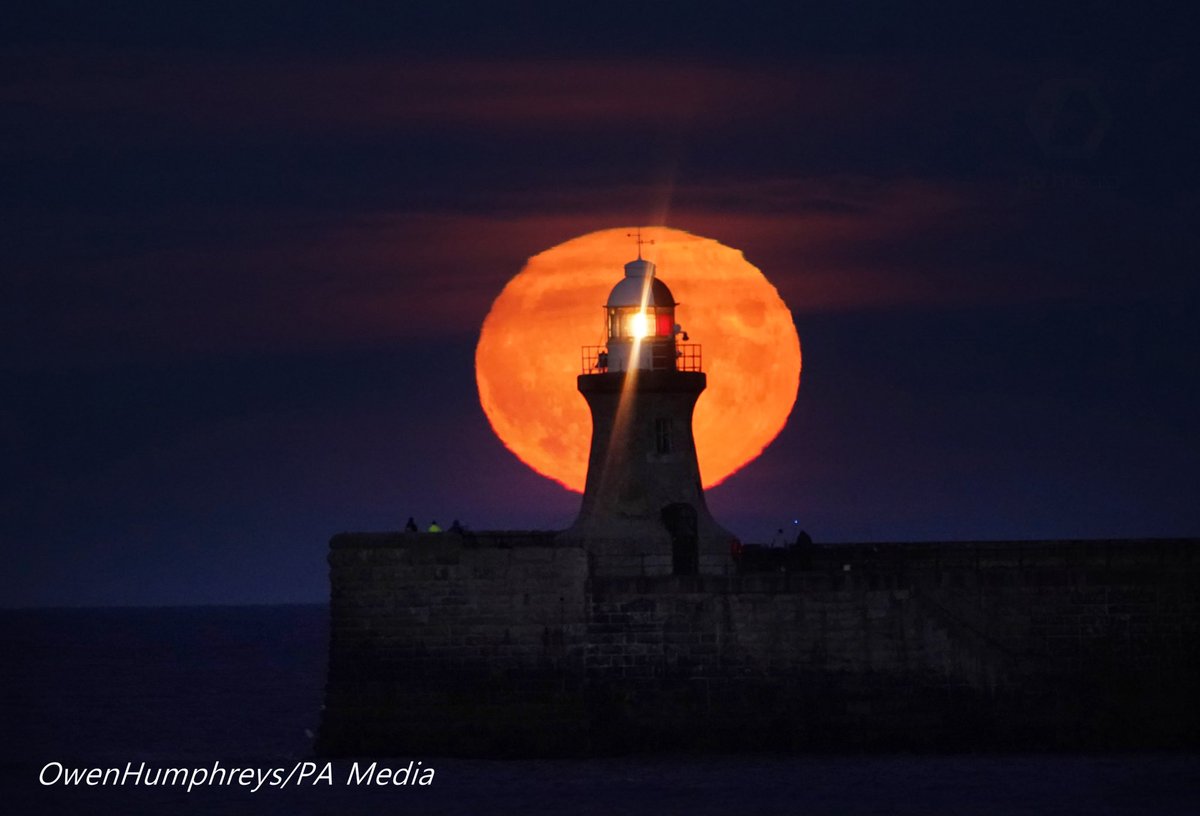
(529, 349)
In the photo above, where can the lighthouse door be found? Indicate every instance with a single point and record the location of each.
(680, 521)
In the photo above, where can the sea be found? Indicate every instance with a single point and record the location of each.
(189, 693)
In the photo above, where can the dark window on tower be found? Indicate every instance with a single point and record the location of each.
(662, 435)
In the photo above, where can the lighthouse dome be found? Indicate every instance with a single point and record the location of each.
(628, 292)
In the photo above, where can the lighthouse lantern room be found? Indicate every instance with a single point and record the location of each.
(641, 321)
(640, 328)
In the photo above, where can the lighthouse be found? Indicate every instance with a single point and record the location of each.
(643, 510)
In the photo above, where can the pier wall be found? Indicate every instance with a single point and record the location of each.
(504, 644)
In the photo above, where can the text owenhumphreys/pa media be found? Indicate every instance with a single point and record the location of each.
(255, 779)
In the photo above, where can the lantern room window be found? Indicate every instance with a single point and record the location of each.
(639, 324)
(629, 322)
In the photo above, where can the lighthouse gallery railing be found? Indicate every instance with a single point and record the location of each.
(687, 358)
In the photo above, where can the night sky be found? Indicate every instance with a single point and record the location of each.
(247, 249)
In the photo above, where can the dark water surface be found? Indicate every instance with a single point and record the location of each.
(241, 686)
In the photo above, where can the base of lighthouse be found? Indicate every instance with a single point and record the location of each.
(643, 509)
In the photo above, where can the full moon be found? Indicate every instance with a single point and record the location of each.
(529, 350)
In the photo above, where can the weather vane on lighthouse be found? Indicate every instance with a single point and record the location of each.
(638, 236)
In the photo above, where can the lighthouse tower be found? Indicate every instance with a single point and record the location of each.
(643, 509)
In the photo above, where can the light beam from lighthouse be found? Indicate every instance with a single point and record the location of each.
(618, 439)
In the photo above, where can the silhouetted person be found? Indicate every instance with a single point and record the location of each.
(778, 540)
(434, 528)
(803, 540)
(602, 361)
(411, 527)
(456, 527)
